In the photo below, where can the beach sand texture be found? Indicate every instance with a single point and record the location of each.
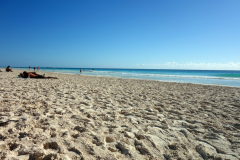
(89, 117)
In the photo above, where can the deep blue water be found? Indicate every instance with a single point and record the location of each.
(213, 77)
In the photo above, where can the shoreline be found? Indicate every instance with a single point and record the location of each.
(131, 78)
(93, 117)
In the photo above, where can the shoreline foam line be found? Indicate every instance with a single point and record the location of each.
(139, 79)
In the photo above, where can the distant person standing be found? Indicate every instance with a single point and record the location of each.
(38, 68)
(34, 68)
(29, 67)
(80, 70)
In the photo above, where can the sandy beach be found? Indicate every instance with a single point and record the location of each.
(90, 117)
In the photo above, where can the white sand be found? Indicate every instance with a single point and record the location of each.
(86, 117)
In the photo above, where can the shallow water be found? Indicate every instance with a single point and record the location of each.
(213, 77)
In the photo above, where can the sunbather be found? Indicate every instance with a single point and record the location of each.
(34, 75)
(8, 69)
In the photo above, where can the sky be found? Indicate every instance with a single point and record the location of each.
(150, 34)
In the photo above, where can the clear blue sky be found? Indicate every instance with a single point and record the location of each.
(180, 34)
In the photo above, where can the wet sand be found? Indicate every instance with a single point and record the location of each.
(89, 117)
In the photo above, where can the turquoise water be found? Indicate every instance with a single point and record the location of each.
(213, 77)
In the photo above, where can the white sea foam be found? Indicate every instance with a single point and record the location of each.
(184, 76)
(164, 75)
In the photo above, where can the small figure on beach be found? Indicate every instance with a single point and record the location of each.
(38, 68)
(80, 70)
(34, 75)
(29, 68)
(93, 69)
(34, 68)
(8, 69)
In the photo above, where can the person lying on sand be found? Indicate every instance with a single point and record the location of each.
(8, 69)
(34, 75)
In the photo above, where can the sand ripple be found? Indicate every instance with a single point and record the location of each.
(85, 117)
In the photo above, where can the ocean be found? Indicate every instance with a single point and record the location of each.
(207, 77)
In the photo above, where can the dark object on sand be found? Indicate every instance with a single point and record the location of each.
(8, 69)
(34, 75)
